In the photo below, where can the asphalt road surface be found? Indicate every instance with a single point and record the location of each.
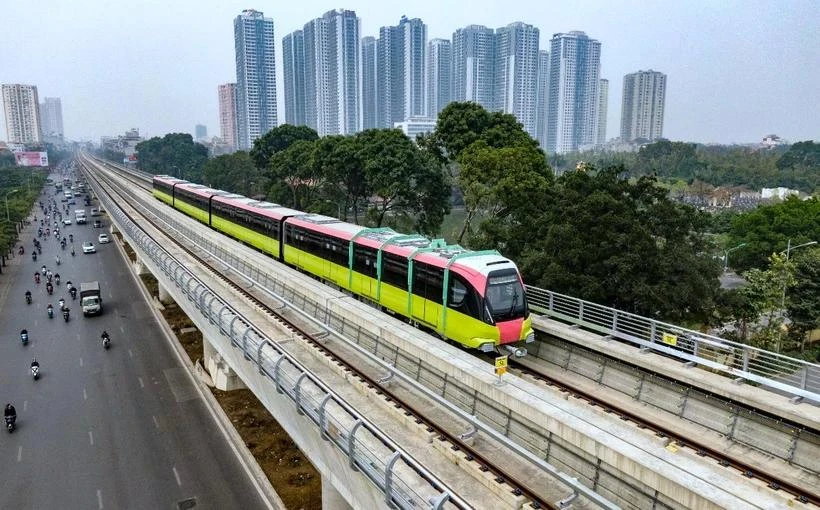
(123, 428)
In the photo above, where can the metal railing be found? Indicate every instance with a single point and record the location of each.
(368, 449)
(795, 377)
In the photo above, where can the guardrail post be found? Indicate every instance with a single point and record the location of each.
(297, 392)
(259, 355)
(323, 418)
(276, 374)
(351, 444)
(580, 310)
(245, 343)
(549, 306)
(745, 359)
(437, 503)
(652, 332)
(388, 479)
(230, 330)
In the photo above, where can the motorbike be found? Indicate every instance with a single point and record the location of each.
(61, 302)
(34, 256)
(73, 292)
(71, 237)
(50, 311)
(35, 371)
(57, 279)
(58, 261)
(43, 270)
(24, 337)
(106, 341)
(37, 278)
(21, 250)
(28, 299)
(10, 423)
(49, 288)
(39, 249)
(65, 314)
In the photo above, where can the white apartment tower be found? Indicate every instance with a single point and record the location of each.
(51, 117)
(255, 76)
(22, 111)
(603, 108)
(643, 104)
(575, 68)
(516, 73)
(400, 65)
(439, 75)
(474, 65)
(332, 49)
(541, 93)
(293, 60)
(227, 114)
(369, 83)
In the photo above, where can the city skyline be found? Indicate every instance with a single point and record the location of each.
(165, 82)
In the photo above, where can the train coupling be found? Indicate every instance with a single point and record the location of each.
(515, 352)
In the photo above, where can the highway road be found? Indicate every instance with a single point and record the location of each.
(123, 428)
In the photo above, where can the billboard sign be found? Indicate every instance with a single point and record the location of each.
(31, 158)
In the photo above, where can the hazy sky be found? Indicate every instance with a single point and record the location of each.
(737, 70)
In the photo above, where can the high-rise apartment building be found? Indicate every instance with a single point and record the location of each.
(474, 65)
(227, 114)
(439, 75)
(516, 73)
(51, 117)
(255, 76)
(21, 107)
(541, 93)
(200, 132)
(369, 83)
(332, 49)
(643, 104)
(400, 65)
(293, 59)
(603, 108)
(575, 68)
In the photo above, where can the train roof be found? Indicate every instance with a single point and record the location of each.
(434, 252)
(169, 179)
(200, 189)
(267, 209)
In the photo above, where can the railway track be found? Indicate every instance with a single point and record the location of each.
(501, 476)
(675, 438)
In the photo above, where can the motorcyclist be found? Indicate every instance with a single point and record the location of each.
(36, 277)
(49, 287)
(57, 278)
(10, 412)
(34, 256)
(43, 270)
(68, 284)
(57, 258)
(61, 302)
(24, 335)
(73, 291)
(28, 296)
(72, 251)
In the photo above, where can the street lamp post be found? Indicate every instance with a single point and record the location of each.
(789, 249)
(338, 206)
(726, 255)
(7, 203)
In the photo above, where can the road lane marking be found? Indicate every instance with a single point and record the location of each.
(85, 395)
(25, 404)
(142, 384)
(99, 498)
(91, 437)
(130, 354)
(176, 475)
(19, 453)
(122, 330)
(156, 423)
(81, 362)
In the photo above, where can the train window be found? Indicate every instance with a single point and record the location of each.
(394, 270)
(462, 297)
(364, 260)
(427, 281)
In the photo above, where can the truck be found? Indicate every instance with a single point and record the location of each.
(79, 216)
(90, 298)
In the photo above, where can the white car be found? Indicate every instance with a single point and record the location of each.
(88, 247)
(67, 221)
(103, 239)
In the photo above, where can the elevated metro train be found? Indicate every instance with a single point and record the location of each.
(475, 298)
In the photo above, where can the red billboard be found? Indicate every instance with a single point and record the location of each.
(31, 158)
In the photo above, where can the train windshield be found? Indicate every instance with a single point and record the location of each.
(505, 296)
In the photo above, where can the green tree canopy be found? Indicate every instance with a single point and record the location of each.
(462, 124)
(296, 168)
(174, 154)
(277, 140)
(235, 173)
(803, 298)
(767, 230)
(605, 239)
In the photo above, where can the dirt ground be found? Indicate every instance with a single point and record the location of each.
(293, 477)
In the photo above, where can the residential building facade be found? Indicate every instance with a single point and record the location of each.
(293, 60)
(575, 67)
(255, 76)
(541, 93)
(516, 73)
(21, 108)
(643, 104)
(227, 115)
(603, 108)
(51, 117)
(474, 65)
(439, 75)
(369, 83)
(401, 90)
